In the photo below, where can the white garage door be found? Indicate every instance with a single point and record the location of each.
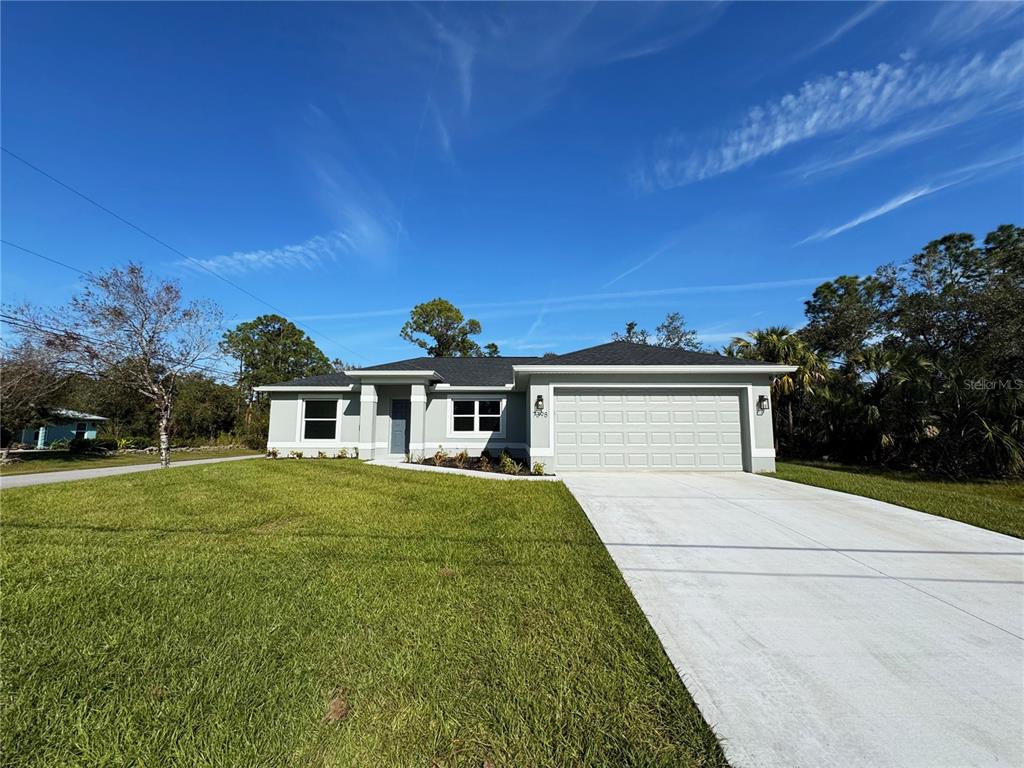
(647, 429)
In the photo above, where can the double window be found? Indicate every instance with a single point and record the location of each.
(320, 420)
(476, 416)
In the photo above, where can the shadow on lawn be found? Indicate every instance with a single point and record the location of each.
(906, 475)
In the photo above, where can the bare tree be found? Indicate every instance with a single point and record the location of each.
(129, 322)
(30, 376)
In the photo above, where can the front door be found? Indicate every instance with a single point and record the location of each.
(400, 410)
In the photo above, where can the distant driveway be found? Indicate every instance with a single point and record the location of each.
(814, 628)
(43, 478)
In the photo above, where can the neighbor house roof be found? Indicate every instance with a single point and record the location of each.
(64, 413)
(499, 371)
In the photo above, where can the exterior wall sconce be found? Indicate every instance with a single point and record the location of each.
(763, 403)
(538, 406)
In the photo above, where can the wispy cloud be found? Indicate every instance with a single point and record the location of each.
(358, 206)
(306, 255)
(887, 207)
(958, 176)
(957, 22)
(857, 19)
(597, 300)
(890, 142)
(632, 269)
(462, 52)
(860, 100)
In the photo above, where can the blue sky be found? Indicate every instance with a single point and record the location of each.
(555, 170)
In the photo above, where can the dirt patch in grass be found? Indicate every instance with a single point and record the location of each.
(338, 708)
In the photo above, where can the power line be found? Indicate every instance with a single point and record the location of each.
(47, 258)
(21, 323)
(169, 247)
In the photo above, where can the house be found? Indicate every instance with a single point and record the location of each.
(615, 406)
(62, 425)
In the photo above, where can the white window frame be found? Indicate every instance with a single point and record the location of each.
(476, 433)
(300, 432)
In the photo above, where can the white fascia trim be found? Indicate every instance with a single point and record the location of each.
(371, 374)
(774, 369)
(272, 388)
(463, 388)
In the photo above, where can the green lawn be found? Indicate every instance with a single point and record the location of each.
(326, 613)
(55, 461)
(998, 506)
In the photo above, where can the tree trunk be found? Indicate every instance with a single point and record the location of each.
(789, 408)
(165, 434)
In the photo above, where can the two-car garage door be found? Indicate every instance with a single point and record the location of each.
(647, 429)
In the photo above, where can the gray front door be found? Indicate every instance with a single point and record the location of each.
(400, 426)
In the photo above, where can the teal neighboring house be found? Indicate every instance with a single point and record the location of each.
(62, 425)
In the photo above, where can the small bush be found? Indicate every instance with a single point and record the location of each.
(134, 443)
(81, 445)
(342, 453)
(321, 455)
(440, 456)
(105, 444)
(60, 445)
(272, 453)
(295, 454)
(484, 463)
(461, 458)
(509, 465)
(538, 468)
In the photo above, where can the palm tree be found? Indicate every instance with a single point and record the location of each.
(779, 344)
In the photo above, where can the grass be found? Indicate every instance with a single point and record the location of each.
(326, 613)
(997, 506)
(56, 461)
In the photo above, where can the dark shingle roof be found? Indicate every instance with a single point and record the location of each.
(325, 380)
(628, 353)
(463, 371)
(497, 371)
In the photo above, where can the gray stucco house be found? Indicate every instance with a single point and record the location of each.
(618, 406)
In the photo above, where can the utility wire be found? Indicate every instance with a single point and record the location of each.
(41, 256)
(169, 247)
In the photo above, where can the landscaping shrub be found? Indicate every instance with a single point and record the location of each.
(509, 465)
(59, 445)
(82, 445)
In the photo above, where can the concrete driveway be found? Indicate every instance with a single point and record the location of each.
(814, 628)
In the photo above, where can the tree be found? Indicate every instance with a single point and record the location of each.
(447, 330)
(672, 332)
(127, 322)
(491, 350)
(271, 349)
(847, 313)
(340, 366)
(778, 344)
(30, 377)
(205, 409)
(632, 334)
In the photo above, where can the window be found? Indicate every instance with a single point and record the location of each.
(80, 428)
(321, 420)
(476, 416)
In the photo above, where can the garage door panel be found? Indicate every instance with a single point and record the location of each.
(640, 429)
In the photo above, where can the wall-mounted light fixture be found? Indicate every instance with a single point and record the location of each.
(538, 404)
(763, 403)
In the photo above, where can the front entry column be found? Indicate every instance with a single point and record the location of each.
(417, 418)
(367, 420)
